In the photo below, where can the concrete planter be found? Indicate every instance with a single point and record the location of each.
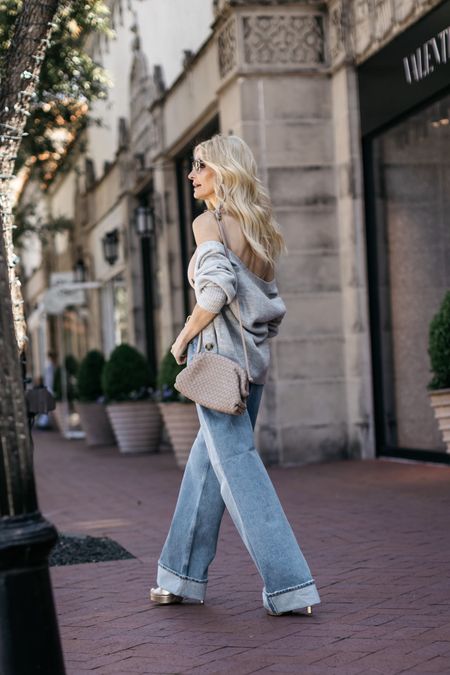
(95, 423)
(440, 402)
(182, 425)
(59, 414)
(67, 420)
(136, 425)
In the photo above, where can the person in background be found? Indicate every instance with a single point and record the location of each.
(47, 381)
(49, 372)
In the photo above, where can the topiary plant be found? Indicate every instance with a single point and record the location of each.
(126, 375)
(90, 377)
(439, 346)
(71, 365)
(168, 371)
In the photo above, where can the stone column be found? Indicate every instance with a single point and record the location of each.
(343, 40)
(276, 94)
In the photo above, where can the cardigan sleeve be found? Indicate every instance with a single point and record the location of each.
(214, 277)
(279, 311)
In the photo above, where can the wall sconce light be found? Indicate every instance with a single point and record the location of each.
(110, 243)
(144, 221)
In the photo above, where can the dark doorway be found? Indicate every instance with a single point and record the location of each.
(188, 207)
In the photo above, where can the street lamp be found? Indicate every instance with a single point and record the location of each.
(144, 221)
(144, 225)
(110, 243)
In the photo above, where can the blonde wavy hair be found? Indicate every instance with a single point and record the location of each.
(240, 193)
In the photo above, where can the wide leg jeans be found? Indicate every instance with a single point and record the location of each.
(224, 469)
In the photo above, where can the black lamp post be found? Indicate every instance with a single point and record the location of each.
(110, 243)
(144, 225)
(29, 638)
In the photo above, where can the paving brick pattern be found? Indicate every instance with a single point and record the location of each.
(376, 535)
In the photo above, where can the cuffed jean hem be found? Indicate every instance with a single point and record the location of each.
(179, 585)
(290, 599)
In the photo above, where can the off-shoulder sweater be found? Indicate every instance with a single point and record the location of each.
(215, 278)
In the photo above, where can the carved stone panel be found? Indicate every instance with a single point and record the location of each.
(146, 90)
(156, 129)
(362, 28)
(157, 85)
(383, 18)
(272, 36)
(227, 48)
(337, 30)
(283, 39)
(403, 8)
(139, 95)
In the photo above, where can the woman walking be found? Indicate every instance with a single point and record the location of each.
(237, 246)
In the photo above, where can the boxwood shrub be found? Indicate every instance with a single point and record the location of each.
(90, 377)
(126, 375)
(439, 346)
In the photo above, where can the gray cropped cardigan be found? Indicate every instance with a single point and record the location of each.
(215, 280)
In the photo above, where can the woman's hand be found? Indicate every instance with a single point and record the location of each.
(195, 323)
(179, 349)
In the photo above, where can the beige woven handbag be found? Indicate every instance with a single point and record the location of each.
(215, 381)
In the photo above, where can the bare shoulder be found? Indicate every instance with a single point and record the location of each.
(205, 228)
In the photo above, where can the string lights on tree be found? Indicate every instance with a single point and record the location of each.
(19, 76)
(47, 80)
(25, 536)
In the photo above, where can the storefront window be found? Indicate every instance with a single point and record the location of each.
(75, 332)
(411, 164)
(120, 305)
(114, 313)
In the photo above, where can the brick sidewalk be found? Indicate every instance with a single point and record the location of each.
(376, 535)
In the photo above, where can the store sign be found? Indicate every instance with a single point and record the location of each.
(429, 56)
(408, 72)
(57, 298)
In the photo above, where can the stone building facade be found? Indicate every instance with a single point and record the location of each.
(287, 76)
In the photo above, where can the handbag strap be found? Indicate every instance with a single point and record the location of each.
(218, 216)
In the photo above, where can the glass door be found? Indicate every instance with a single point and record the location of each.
(408, 218)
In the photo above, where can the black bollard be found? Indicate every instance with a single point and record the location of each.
(29, 636)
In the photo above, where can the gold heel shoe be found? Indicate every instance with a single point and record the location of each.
(163, 597)
(305, 610)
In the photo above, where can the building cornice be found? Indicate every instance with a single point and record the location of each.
(360, 28)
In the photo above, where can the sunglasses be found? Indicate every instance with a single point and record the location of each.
(197, 165)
